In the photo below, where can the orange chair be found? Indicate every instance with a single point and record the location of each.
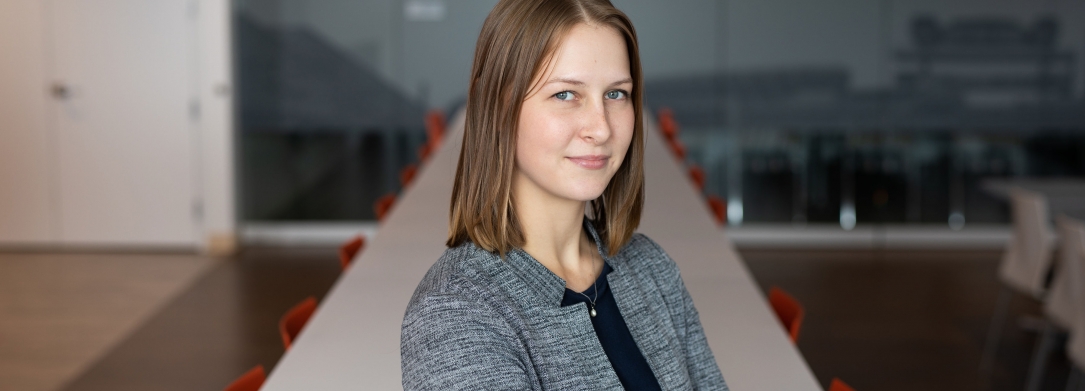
(294, 320)
(406, 175)
(678, 149)
(839, 385)
(424, 151)
(250, 381)
(719, 209)
(669, 127)
(788, 310)
(384, 205)
(698, 176)
(667, 124)
(435, 127)
(349, 250)
(665, 112)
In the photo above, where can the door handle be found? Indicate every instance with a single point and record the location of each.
(60, 91)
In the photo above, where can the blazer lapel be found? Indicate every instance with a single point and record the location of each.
(588, 367)
(646, 315)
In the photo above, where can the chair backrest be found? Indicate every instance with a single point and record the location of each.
(383, 205)
(294, 320)
(719, 209)
(678, 149)
(788, 310)
(349, 250)
(424, 151)
(1059, 304)
(435, 127)
(1075, 347)
(1028, 255)
(665, 112)
(667, 123)
(407, 174)
(697, 175)
(839, 385)
(250, 381)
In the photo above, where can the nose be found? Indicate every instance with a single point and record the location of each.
(596, 124)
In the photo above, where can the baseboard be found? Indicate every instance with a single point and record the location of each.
(221, 244)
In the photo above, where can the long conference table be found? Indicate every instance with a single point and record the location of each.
(352, 342)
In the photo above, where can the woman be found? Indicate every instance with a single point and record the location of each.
(532, 293)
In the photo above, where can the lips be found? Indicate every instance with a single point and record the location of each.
(591, 162)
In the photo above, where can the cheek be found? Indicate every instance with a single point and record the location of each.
(531, 139)
(540, 135)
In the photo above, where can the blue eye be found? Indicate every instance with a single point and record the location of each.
(616, 94)
(564, 95)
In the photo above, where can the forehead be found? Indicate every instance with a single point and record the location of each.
(588, 52)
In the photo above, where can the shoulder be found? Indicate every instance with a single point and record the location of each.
(451, 337)
(643, 253)
(641, 244)
(462, 268)
(453, 293)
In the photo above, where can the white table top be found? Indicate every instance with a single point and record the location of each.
(353, 340)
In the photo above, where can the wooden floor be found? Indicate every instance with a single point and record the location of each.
(904, 320)
(60, 312)
(225, 324)
(879, 320)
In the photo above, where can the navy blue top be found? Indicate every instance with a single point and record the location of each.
(628, 362)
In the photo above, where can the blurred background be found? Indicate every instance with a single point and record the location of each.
(841, 113)
(161, 161)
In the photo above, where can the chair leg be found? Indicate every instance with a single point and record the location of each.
(994, 331)
(1039, 358)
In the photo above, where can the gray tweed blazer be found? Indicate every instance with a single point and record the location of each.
(477, 322)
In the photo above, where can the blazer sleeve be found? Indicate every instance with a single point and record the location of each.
(449, 342)
(703, 371)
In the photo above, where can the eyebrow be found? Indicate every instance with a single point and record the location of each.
(580, 83)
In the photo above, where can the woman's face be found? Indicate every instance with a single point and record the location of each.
(577, 123)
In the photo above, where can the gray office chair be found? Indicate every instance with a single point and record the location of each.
(1075, 347)
(1025, 262)
(1061, 305)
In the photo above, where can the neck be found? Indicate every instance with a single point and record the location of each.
(554, 235)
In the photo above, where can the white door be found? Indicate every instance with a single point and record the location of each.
(123, 75)
(26, 164)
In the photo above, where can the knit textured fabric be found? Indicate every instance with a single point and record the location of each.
(477, 322)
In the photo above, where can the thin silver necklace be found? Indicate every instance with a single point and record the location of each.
(595, 288)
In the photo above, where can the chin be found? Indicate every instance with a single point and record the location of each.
(587, 192)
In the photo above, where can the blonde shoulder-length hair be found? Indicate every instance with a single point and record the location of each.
(517, 39)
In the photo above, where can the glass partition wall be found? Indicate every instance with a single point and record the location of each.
(842, 112)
